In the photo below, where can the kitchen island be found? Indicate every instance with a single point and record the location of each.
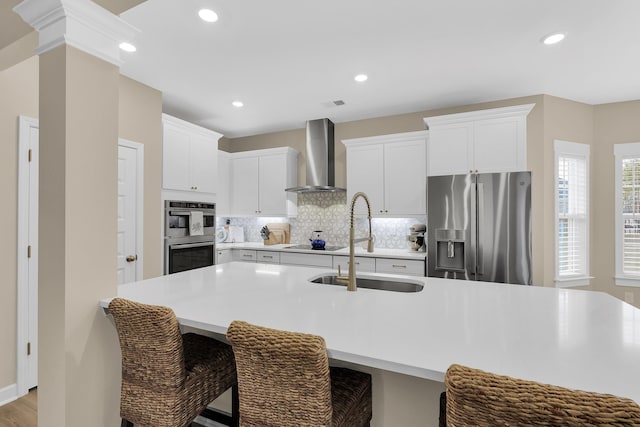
(577, 339)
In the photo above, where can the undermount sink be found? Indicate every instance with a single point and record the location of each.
(383, 284)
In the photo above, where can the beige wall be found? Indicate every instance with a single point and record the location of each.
(19, 89)
(140, 121)
(614, 124)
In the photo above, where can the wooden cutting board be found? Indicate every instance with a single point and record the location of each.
(279, 233)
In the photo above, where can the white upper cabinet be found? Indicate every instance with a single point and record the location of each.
(190, 156)
(391, 170)
(223, 203)
(493, 140)
(258, 180)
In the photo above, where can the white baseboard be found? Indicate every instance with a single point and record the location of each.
(8, 394)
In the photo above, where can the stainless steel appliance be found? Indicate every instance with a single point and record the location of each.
(184, 247)
(320, 151)
(479, 227)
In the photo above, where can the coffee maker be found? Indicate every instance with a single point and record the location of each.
(416, 237)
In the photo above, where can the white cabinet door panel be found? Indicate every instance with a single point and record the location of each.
(449, 150)
(362, 264)
(246, 255)
(498, 136)
(272, 182)
(365, 173)
(405, 178)
(176, 154)
(312, 260)
(400, 266)
(244, 188)
(204, 158)
(269, 257)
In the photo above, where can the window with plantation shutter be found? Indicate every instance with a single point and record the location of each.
(627, 214)
(572, 213)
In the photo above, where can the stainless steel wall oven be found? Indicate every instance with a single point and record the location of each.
(188, 245)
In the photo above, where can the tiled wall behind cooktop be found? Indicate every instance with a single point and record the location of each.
(329, 212)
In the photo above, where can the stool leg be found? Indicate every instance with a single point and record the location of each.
(235, 406)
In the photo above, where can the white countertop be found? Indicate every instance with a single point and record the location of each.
(359, 251)
(576, 339)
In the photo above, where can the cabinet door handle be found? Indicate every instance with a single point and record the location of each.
(398, 266)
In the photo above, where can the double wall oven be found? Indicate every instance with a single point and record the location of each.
(185, 249)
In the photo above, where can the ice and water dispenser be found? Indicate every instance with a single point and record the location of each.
(449, 249)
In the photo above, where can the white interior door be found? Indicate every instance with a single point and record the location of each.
(127, 214)
(27, 301)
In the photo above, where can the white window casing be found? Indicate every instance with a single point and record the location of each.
(627, 214)
(571, 214)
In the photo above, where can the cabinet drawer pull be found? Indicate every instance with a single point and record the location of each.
(267, 256)
(398, 266)
(247, 255)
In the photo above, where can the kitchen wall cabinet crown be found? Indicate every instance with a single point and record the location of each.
(189, 157)
(391, 170)
(493, 140)
(258, 179)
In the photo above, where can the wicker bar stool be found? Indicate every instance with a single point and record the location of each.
(284, 379)
(478, 398)
(167, 378)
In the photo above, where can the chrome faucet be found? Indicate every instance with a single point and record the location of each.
(351, 279)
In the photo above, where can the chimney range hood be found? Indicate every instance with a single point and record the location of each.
(320, 158)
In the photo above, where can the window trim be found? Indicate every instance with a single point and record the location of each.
(561, 148)
(621, 152)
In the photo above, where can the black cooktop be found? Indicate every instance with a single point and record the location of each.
(326, 248)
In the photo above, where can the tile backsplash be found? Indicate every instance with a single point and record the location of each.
(329, 212)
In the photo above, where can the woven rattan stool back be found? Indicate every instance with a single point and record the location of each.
(477, 398)
(149, 337)
(283, 377)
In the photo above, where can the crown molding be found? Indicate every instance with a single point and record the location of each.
(78, 23)
(493, 113)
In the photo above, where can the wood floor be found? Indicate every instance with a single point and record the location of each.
(22, 412)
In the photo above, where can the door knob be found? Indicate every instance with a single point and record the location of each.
(132, 258)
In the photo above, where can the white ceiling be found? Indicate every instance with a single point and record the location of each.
(288, 60)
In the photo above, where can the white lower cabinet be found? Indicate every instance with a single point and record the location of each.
(409, 267)
(246, 255)
(223, 256)
(362, 264)
(269, 257)
(311, 260)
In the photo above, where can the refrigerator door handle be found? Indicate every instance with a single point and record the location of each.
(479, 227)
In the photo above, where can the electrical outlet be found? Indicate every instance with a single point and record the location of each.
(628, 297)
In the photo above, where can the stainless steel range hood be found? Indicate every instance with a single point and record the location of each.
(320, 158)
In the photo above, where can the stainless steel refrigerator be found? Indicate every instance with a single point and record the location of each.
(479, 227)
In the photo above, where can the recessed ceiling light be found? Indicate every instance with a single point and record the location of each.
(361, 78)
(127, 47)
(208, 15)
(237, 104)
(553, 38)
